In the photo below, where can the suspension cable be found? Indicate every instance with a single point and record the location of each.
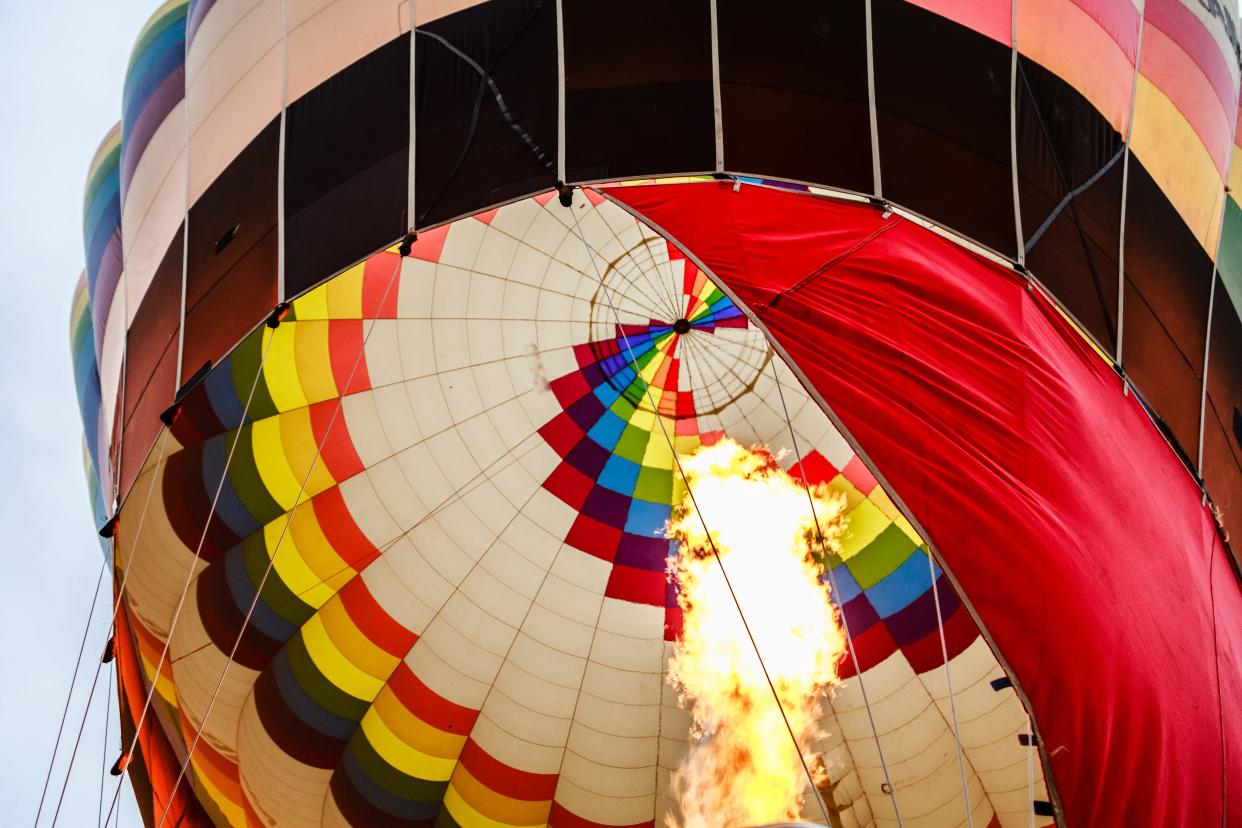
(189, 577)
(297, 501)
(845, 624)
(111, 630)
(948, 678)
(1030, 771)
(103, 768)
(77, 743)
(64, 716)
(115, 609)
(685, 481)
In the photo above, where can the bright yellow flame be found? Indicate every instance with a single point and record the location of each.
(742, 769)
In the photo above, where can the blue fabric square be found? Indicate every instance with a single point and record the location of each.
(606, 394)
(619, 474)
(847, 588)
(647, 518)
(902, 586)
(607, 430)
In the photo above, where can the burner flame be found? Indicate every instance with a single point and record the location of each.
(742, 768)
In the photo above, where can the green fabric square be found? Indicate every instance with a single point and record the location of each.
(633, 444)
(654, 485)
(888, 551)
(622, 407)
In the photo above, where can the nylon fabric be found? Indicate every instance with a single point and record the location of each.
(1005, 435)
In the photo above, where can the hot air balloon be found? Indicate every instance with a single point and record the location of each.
(399, 318)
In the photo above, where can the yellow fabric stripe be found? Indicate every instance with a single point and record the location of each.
(335, 665)
(468, 817)
(492, 805)
(269, 458)
(313, 305)
(410, 730)
(1235, 174)
(164, 687)
(676, 179)
(231, 810)
(1167, 145)
(842, 485)
(684, 445)
(323, 561)
(291, 568)
(344, 294)
(157, 15)
(314, 361)
(865, 523)
(109, 143)
(885, 504)
(642, 418)
(658, 454)
(301, 450)
(403, 757)
(353, 642)
(280, 372)
(700, 282)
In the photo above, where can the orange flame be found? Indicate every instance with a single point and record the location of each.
(742, 768)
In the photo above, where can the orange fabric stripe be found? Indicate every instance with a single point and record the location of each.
(430, 707)
(511, 782)
(377, 625)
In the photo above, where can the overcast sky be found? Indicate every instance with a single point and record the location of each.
(61, 66)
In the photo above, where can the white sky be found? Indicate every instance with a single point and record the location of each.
(61, 69)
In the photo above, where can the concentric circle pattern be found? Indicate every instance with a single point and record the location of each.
(458, 466)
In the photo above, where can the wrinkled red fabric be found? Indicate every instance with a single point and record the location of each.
(153, 750)
(1070, 525)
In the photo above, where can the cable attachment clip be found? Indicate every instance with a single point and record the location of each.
(1020, 269)
(278, 315)
(109, 528)
(565, 193)
(407, 244)
(121, 763)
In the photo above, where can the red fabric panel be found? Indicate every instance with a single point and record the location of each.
(1117, 17)
(1071, 526)
(150, 372)
(505, 780)
(152, 393)
(153, 749)
(438, 712)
